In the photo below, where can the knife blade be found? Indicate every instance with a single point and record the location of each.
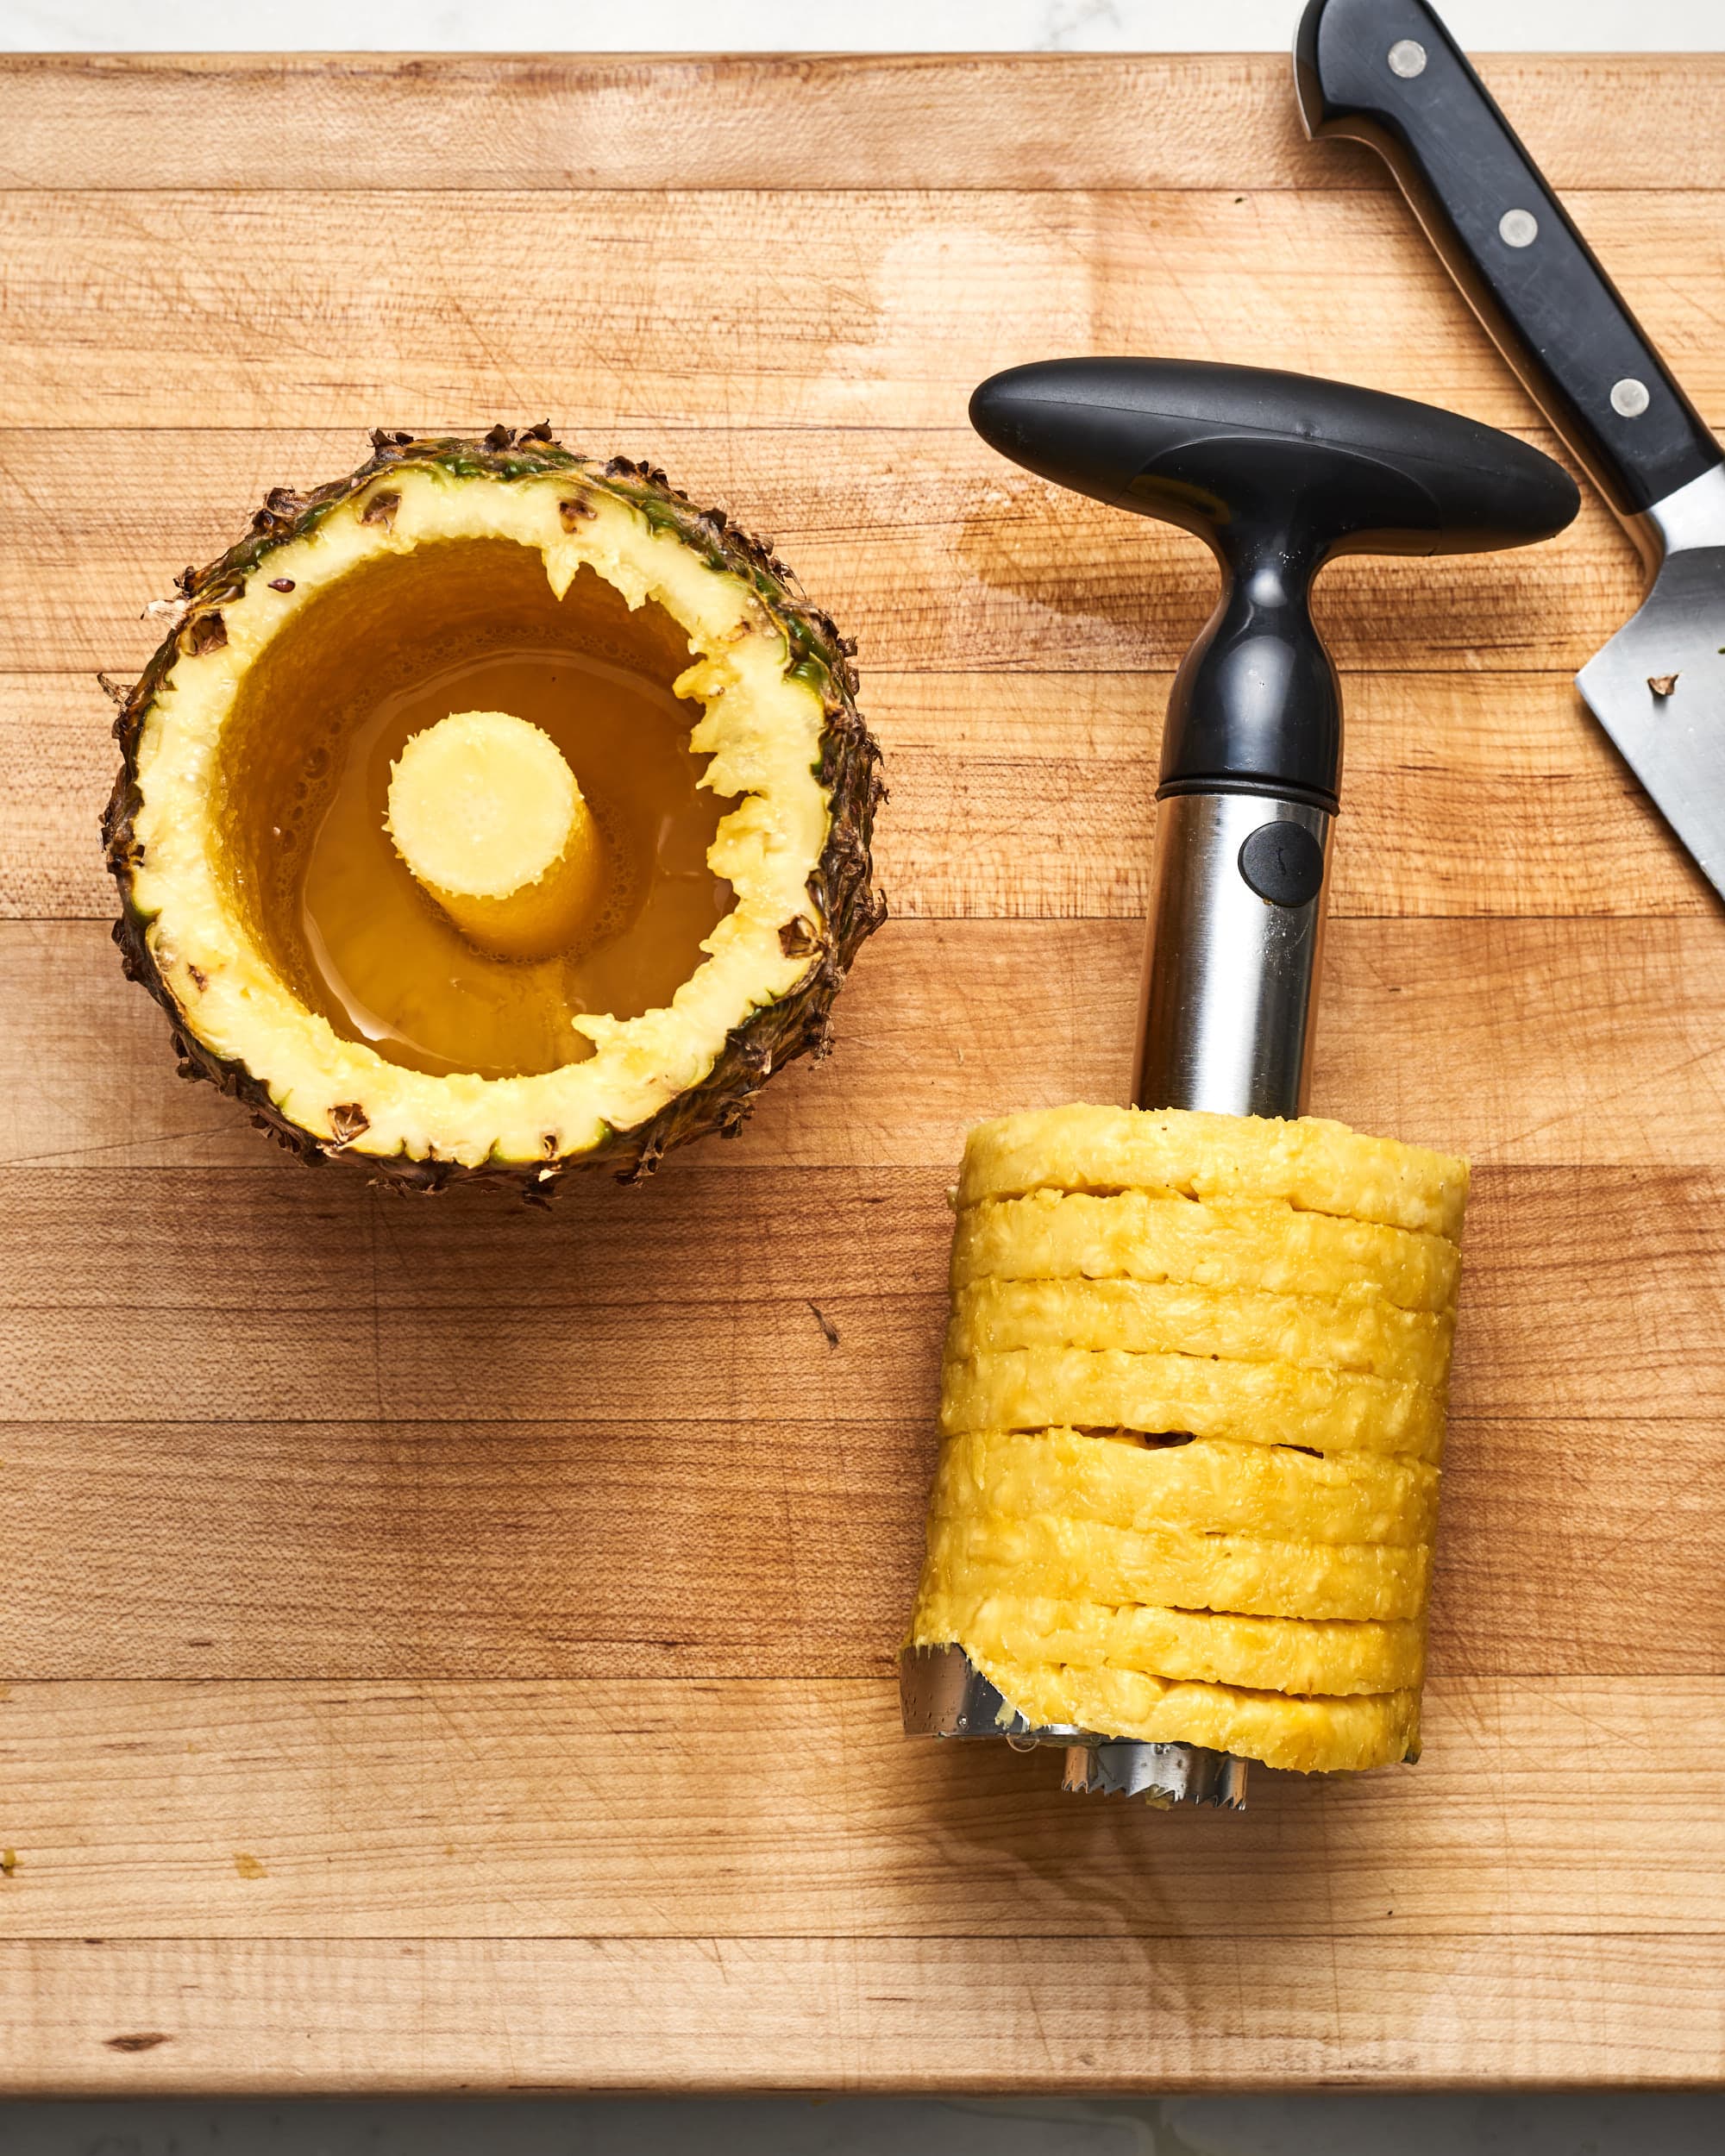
(1387, 72)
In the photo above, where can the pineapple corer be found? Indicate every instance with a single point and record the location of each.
(1279, 474)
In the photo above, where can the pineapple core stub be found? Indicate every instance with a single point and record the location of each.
(487, 816)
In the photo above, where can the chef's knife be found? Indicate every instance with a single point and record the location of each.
(1387, 72)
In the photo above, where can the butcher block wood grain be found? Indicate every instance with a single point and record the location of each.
(445, 1646)
(601, 302)
(944, 558)
(1025, 796)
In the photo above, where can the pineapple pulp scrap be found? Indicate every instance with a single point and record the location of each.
(1271, 1305)
(1302, 1655)
(1218, 1485)
(1247, 1244)
(1316, 1165)
(1354, 1333)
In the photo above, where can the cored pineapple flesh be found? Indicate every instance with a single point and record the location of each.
(1193, 1406)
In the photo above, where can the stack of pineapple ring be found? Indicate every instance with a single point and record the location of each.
(1192, 1409)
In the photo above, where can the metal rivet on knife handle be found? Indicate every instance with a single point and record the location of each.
(1406, 58)
(1565, 327)
(1518, 228)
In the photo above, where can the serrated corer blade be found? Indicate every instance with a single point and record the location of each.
(1225, 1024)
(943, 1694)
(1658, 688)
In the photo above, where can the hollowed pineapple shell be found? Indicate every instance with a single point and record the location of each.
(779, 725)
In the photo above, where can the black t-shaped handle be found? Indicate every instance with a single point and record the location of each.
(1279, 474)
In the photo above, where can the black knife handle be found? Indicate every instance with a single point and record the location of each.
(1387, 72)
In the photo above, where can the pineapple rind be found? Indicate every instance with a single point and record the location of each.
(782, 730)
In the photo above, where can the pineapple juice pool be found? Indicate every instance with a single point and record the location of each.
(390, 967)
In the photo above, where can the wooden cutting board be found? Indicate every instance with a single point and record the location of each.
(449, 1646)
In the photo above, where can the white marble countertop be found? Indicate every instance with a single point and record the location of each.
(813, 25)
